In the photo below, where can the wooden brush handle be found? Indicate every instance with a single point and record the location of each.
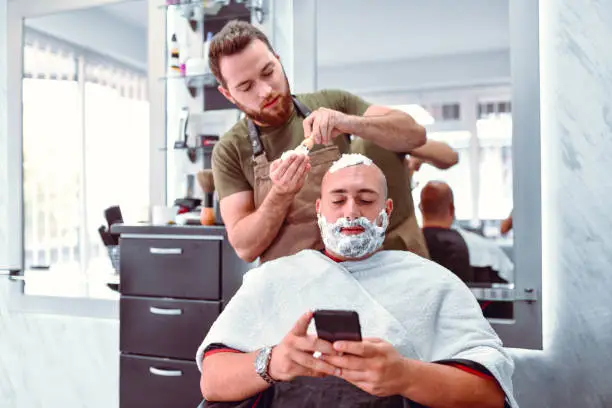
(207, 216)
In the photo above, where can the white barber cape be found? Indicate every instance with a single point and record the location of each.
(419, 307)
(486, 253)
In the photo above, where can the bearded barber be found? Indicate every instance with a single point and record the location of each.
(267, 201)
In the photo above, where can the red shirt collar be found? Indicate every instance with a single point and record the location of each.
(330, 256)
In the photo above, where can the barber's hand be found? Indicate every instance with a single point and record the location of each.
(413, 163)
(292, 357)
(372, 365)
(323, 125)
(289, 175)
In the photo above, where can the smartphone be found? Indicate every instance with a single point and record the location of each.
(334, 325)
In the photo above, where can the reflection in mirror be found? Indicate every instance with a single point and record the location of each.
(453, 76)
(85, 143)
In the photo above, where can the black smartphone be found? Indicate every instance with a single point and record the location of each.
(334, 325)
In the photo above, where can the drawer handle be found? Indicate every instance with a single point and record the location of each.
(165, 373)
(165, 312)
(166, 251)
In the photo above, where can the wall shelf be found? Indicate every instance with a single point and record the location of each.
(220, 9)
(193, 81)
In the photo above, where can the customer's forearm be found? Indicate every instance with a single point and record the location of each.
(441, 386)
(230, 377)
(253, 234)
(395, 131)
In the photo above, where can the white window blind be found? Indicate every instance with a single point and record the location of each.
(86, 143)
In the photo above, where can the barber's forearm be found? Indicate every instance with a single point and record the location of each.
(436, 153)
(253, 234)
(393, 131)
(230, 377)
(441, 386)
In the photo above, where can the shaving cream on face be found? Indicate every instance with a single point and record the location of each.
(358, 245)
(348, 160)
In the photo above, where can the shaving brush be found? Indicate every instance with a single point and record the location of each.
(207, 184)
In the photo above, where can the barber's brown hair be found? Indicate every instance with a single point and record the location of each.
(234, 37)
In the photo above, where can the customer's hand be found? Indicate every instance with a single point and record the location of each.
(323, 125)
(289, 175)
(372, 365)
(293, 356)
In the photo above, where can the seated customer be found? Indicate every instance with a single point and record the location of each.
(456, 248)
(446, 246)
(425, 341)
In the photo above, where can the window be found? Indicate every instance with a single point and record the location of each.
(85, 146)
(458, 177)
(482, 180)
(494, 129)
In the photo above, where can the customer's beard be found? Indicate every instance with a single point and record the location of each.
(354, 246)
(277, 115)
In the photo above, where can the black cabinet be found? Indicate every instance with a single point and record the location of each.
(174, 282)
(150, 382)
(165, 328)
(182, 268)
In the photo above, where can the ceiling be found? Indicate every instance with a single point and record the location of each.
(132, 12)
(353, 31)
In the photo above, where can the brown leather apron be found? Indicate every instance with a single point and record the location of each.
(299, 229)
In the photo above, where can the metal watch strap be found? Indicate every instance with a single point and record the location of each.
(266, 374)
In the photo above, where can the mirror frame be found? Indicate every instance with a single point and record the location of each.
(526, 329)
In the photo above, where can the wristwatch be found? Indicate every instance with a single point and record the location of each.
(262, 364)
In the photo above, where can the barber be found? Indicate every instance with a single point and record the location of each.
(266, 201)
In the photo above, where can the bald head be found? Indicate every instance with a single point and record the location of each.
(437, 202)
(362, 176)
(352, 191)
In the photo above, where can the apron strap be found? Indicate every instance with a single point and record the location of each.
(302, 109)
(256, 144)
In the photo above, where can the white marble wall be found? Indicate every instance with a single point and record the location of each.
(576, 76)
(3, 140)
(56, 361)
(49, 361)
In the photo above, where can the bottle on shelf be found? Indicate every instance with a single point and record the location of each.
(174, 60)
(209, 36)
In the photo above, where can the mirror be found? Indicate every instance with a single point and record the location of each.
(452, 74)
(85, 143)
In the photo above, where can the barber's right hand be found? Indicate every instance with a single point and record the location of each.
(289, 175)
(293, 356)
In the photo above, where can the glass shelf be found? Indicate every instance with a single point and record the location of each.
(193, 81)
(222, 9)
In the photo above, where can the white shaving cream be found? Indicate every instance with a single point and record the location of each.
(300, 150)
(354, 245)
(348, 160)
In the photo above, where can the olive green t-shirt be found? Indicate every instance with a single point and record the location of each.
(232, 158)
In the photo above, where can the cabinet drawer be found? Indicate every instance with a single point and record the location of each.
(158, 383)
(183, 268)
(165, 328)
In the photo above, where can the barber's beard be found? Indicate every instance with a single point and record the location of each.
(277, 114)
(354, 246)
